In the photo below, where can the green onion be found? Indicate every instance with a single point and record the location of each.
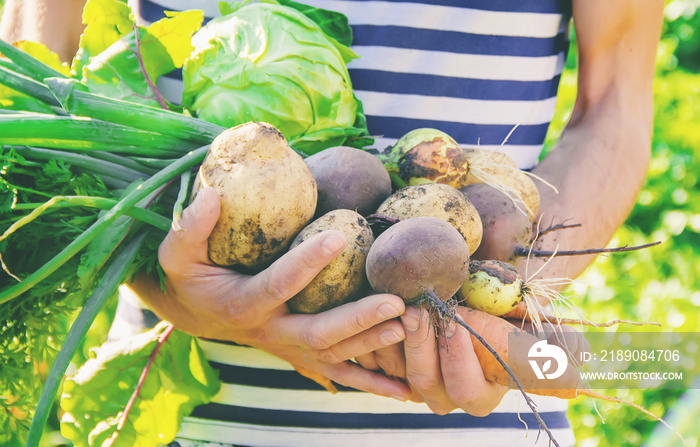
(129, 162)
(27, 85)
(27, 63)
(104, 290)
(81, 133)
(104, 221)
(154, 163)
(78, 102)
(144, 215)
(181, 198)
(97, 165)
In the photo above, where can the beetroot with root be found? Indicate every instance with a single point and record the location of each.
(424, 260)
(417, 258)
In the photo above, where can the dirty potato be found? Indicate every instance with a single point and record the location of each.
(343, 279)
(267, 194)
(436, 200)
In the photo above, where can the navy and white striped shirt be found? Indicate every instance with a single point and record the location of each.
(472, 68)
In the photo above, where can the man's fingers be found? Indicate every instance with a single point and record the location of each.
(352, 375)
(294, 270)
(465, 383)
(386, 334)
(189, 241)
(324, 330)
(423, 361)
(367, 361)
(392, 360)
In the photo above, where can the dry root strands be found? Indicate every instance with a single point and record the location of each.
(497, 288)
(428, 155)
(496, 333)
(499, 171)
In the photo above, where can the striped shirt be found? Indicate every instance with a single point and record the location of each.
(475, 69)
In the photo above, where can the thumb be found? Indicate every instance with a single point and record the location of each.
(187, 241)
(295, 269)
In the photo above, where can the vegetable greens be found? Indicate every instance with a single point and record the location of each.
(178, 380)
(93, 171)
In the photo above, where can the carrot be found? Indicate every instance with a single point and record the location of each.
(496, 332)
(319, 378)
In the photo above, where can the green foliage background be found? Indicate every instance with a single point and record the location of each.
(663, 283)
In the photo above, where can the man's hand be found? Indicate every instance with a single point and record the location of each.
(444, 372)
(218, 303)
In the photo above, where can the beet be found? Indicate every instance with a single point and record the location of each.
(349, 178)
(418, 257)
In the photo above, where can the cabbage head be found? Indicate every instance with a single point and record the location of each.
(268, 62)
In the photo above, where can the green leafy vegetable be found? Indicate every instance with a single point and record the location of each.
(20, 89)
(88, 163)
(106, 22)
(267, 62)
(333, 23)
(103, 222)
(77, 332)
(117, 71)
(72, 97)
(178, 380)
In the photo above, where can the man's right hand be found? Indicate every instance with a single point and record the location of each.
(209, 301)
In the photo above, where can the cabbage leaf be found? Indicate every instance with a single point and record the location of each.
(269, 62)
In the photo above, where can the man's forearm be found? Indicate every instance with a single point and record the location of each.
(601, 158)
(55, 23)
(598, 167)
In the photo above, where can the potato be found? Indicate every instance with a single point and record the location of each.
(349, 178)
(267, 194)
(436, 200)
(343, 279)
